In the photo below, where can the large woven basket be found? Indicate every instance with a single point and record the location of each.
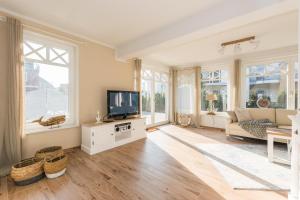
(28, 171)
(49, 152)
(55, 165)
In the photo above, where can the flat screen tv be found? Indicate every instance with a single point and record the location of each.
(122, 103)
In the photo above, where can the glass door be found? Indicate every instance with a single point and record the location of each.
(160, 98)
(146, 100)
(155, 92)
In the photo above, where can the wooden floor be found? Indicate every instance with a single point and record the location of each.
(159, 167)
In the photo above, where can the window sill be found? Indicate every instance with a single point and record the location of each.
(41, 129)
(223, 114)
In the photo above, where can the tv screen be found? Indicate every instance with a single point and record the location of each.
(122, 103)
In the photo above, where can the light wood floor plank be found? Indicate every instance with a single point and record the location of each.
(3, 189)
(163, 166)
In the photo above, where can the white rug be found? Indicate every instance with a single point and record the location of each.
(246, 166)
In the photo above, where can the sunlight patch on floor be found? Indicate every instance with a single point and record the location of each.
(194, 160)
(189, 134)
(188, 157)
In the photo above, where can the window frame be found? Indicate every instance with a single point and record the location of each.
(213, 68)
(289, 59)
(152, 92)
(73, 96)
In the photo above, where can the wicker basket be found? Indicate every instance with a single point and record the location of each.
(49, 152)
(28, 171)
(55, 166)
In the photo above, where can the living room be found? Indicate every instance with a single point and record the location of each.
(165, 105)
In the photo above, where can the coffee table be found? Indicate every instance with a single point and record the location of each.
(278, 133)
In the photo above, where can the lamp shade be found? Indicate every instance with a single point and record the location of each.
(211, 97)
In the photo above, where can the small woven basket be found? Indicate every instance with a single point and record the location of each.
(27, 171)
(49, 152)
(55, 165)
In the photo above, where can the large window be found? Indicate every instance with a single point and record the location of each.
(214, 82)
(266, 85)
(49, 79)
(155, 96)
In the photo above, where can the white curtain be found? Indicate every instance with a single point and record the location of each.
(186, 93)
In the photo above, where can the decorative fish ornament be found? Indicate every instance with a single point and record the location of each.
(57, 120)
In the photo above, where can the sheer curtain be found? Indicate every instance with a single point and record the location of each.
(186, 93)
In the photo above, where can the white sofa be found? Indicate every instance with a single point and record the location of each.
(279, 116)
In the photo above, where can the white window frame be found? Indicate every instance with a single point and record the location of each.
(213, 68)
(73, 97)
(290, 60)
(153, 81)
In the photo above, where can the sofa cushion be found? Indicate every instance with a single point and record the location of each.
(232, 116)
(243, 114)
(282, 116)
(263, 113)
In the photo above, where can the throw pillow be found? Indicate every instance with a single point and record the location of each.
(232, 116)
(243, 114)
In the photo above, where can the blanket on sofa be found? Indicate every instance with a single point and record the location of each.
(258, 128)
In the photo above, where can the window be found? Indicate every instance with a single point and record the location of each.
(214, 82)
(267, 82)
(50, 90)
(155, 96)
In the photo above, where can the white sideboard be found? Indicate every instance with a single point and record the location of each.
(219, 120)
(98, 137)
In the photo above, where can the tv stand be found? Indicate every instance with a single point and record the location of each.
(98, 137)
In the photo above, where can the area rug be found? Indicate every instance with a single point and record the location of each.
(246, 166)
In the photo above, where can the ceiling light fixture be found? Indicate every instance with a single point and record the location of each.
(255, 43)
(222, 50)
(237, 44)
(237, 48)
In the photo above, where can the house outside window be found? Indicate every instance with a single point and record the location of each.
(215, 82)
(50, 75)
(268, 83)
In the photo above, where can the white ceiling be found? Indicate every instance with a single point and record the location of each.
(168, 32)
(276, 32)
(112, 22)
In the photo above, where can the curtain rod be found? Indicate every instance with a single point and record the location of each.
(4, 19)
